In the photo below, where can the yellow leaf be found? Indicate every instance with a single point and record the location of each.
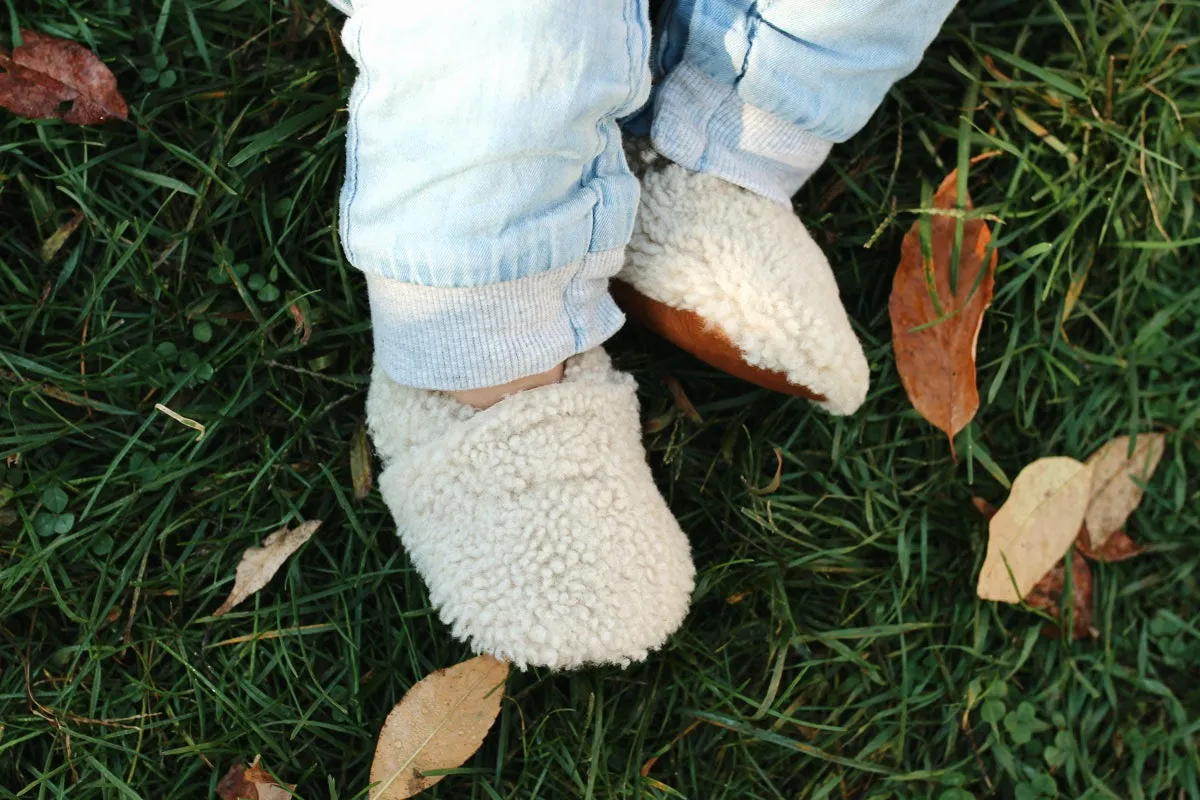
(1115, 492)
(259, 564)
(52, 245)
(438, 725)
(360, 464)
(1034, 527)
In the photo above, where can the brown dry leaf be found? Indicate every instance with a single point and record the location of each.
(360, 464)
(682, 402)
(251, 783)
(439, 724)
(1117, 547)
(1034, 527)
(776, 481)
(1115, 477)
(303, 325)
(660, 423)
(984, 507)
(1047, 594)
(935, 346)
(48, 78)
(259, 564)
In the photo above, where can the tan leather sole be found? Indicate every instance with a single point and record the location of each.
(707, 342)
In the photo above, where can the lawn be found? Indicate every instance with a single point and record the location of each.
(836, 648)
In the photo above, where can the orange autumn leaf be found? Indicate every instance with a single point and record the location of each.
(934, 334)
(48, 78)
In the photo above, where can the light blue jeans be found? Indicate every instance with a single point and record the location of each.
(487, 197)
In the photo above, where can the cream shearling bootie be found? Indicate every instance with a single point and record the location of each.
(536, 522)
(736, 279)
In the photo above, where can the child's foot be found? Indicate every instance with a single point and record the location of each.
(734, 278)
(536, 522)
(486, 398)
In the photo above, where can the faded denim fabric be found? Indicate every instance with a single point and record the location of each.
(486, 193)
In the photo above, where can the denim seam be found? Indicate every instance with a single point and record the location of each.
(753, 19)
(703, 163)
(604, 137)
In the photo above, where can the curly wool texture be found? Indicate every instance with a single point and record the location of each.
(747, 265)
(536, 523)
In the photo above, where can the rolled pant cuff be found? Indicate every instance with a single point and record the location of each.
(454, 339)
(705, 126)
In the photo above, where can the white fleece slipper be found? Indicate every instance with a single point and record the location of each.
(536, 522)
(745, 266)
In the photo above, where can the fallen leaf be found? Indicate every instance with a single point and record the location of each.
(776, 481)
(1073, 293)
(682, 402)
(232, 785)
(935, 341)
(303, 326)
(1034, 527)
(56, 240)
(259, 564)
(1116, 474)
(251, 783)
(660, 423)
(984, 507)
(360, 464)
(187, 422)
(1047, 595)
(650, 762)
(438, 725)
(1117, 547)
(47, 78)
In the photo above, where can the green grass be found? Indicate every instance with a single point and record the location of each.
(835, 650)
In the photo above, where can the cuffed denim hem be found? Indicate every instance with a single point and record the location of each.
(704, 125)
(525, 248)
(472, 337)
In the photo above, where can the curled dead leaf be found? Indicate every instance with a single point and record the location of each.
(660, 423)
(1047, 594)
(259, 564)
(1034, 527)
(682, 402)
(56, 240)
(301, 319)
(934, 333)
(776, 481)
(1117, 475)
(47, 77)
(360, 464)
(984, 507)
(251, 783)
(438, 725)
